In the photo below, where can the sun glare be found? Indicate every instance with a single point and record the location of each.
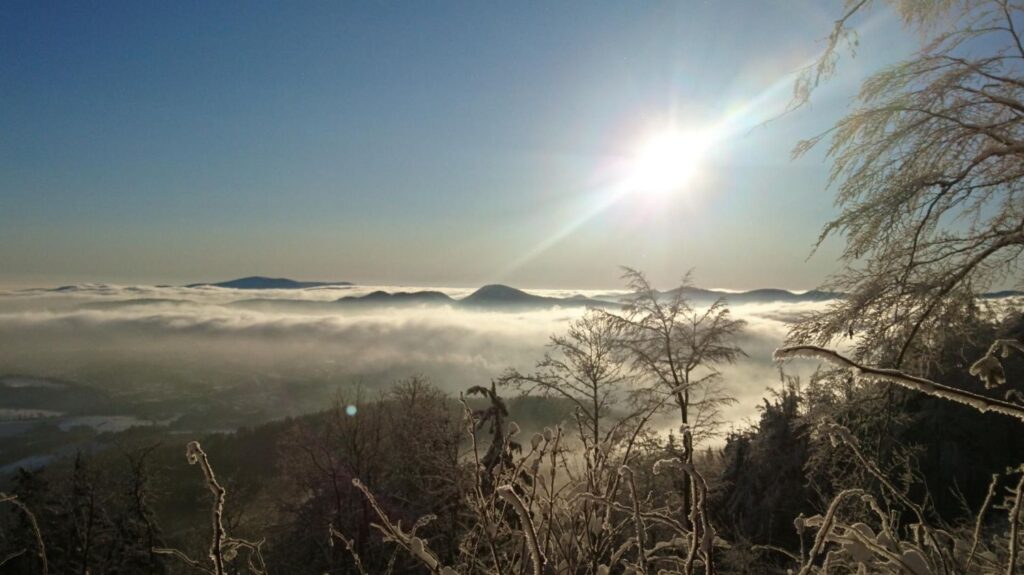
(667, 162)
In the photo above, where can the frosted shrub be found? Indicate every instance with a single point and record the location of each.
(550, 513)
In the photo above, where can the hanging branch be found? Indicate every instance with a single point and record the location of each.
(920, 384)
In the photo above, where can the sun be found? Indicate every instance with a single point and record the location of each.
(667, 162)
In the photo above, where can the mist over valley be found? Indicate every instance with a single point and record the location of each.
(212, 357)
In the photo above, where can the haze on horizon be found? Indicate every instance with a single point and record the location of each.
(456, 144)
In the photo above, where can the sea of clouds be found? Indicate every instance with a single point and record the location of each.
(115, 336)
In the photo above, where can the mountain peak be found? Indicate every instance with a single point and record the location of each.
(263, 282)
(499, 292)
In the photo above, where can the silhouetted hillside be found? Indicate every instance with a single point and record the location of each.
(401, 297)
(261, 282)
(497, 295)
(761, 295)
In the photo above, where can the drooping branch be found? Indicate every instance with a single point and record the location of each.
(920, 384)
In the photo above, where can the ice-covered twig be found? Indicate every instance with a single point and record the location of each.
(196, 455)
(981, 516)
(222, 547)
(978, 402)
(638, 521)
(507, 492)
(1015, 511)
(393, 532)
(824, 525)
(989, 369)
(183, 558)
(34, 525)
(11, 555)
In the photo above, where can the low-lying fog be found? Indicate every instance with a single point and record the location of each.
(286, 354)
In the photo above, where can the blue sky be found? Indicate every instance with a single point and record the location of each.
(421, 143)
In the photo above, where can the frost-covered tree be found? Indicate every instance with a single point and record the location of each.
(929, 174)
(677, 350)
(586, 367)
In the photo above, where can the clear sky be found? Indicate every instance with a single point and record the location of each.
(419, 143)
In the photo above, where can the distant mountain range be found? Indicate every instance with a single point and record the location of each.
(503, 295)
(497, 296)
(494, 296)
(489, 296)
(399, 297)
(261, 282)
(756, 295)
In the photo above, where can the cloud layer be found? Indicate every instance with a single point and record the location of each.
(117, 337)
